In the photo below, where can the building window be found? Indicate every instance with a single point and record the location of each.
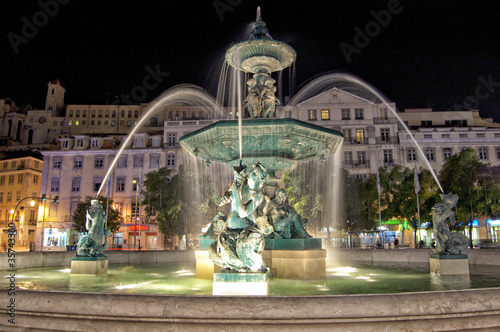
(35, 179)
(360, 135)
(99, 162)
(19, 178)
(122, 114)
(106, 115)
(346, 114)
(483, 153)
(2, 180)
(445, 136)
(429, 154)
(427, 136)
(96, 184)
(347, 135)
(54, 185)
(288, 114)
(93, 114)
(447, 153)
(1, 196)
(156, 141)
(70, 113)
(411, 154)
(171, 139)
(138, 160)
(5, 165)
(135, 182)
(348, 158)
(361, 158)
(112, 123)
(84, 113)
(170, 160)
(11, 179)
(325, 114)
(136, 114)
(18, 196)
(9, 196)
(95, 143)
(462, 135)
(388, 160)
(64, 144)
(113, 114)
(129, 123)
(79, 143)
(154, 161)
(57, 163)
(75, 185)
(13, 164)
(77, 123)
(426, 123)
(122, 162)
(384, 134)
(78, 163)
(358, 114)
(129, 114)
(120, 184)
(384, 114)
(498, 152)
(480, 135)
(497, 135)
(77, 113)
(312, 115)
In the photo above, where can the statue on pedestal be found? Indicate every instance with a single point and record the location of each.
(240, 241)
(91, 244)
(447, 242)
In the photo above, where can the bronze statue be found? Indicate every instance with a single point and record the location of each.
(447, 242)
(91, 244)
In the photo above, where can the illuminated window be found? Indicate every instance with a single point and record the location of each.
(360, 135)
(312, 115)
(325, 114)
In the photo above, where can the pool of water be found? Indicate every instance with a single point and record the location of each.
(180, 279)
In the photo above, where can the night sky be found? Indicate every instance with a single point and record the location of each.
(430, 54)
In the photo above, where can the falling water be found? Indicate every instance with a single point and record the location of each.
(355, 85)
(184, 94)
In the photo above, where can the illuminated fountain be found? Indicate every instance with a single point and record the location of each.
(429, 304)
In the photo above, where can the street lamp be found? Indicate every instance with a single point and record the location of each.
(136, 183)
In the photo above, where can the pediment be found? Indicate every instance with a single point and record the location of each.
(335, 96)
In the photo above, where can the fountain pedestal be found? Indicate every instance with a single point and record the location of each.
(444, 264)
(89, 265)
(228, 282)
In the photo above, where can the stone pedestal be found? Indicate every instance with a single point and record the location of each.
(89, 265)
(299, 264)
(449, 264)
(205, 267)
(234, 283)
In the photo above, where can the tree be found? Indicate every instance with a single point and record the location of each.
(183, 202)
(80, 214)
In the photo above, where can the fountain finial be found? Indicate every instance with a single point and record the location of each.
(260, 31)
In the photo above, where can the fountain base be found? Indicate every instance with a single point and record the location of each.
(234, 283)
(89, 265)
(449, 264)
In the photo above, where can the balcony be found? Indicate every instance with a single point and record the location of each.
(387, 140)
(171, 146)
(189, 123)
(358, 164)
(356, 141)
(385, 120)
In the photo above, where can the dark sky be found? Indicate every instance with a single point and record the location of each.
(431, 54)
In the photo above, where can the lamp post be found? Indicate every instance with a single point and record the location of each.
(136, 183)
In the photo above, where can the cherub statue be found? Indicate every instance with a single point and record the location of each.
(269, 99)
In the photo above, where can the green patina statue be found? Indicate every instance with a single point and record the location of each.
(447, 242)
(240, 240)
(91, 244)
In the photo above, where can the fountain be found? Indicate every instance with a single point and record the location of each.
(82, 307)
(259, 150)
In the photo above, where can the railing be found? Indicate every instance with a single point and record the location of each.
(171, 146)
(356, 141)
(362, 164)
(379, 120)
(189, 123)
(387, 140)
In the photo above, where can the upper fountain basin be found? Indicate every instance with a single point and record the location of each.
(261, 55)
(276, 143)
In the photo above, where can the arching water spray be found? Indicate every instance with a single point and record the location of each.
(185, 94)
(342, 81)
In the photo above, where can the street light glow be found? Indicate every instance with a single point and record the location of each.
(32, 203)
